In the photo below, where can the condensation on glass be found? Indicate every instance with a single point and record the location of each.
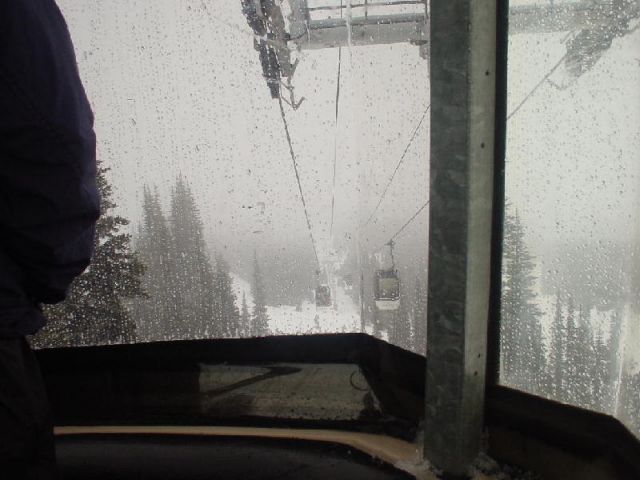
(571, 264)
(204, 232)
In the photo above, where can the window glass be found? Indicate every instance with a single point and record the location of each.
(210, 228)
(571, 265)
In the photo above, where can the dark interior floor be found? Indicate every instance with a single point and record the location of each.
(130, 457)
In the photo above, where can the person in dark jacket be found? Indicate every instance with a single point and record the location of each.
(49, 204)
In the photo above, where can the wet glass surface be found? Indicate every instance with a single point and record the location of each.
(571, 267)
(216, 230)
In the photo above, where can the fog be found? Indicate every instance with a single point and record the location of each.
(178, 90)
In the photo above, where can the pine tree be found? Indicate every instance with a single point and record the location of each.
(606, 360)
(615, 360)
(556, 351)
(245, 318)
(603, 398)
(260, 317)
(96, 310)
(420, 317)
(400, 333)
(523, 357)
(194, 275)
(585, 360)
(367, 295)
(628, 408)
(157, 315)
(570, 377)
(226, 317)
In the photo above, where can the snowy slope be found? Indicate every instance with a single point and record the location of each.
(288, 320)
(241, 286)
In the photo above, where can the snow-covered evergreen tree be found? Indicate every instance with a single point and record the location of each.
(260, 317)
(628, 408)
(616, 346)
(194, 274)
(602, 372)
(585, 357)
(419, 317)
(96, 310)
(156, 315)
(569, 369)
(226, 317)
(400, 330)
(522, 356)
(557, 348)
(245, 318)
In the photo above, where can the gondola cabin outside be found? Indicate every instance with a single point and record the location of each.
(323, 296)
(387, 289)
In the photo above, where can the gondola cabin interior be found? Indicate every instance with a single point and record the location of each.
(491, 146)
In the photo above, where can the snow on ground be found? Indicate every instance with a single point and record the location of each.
(241, 286)
(342, 317)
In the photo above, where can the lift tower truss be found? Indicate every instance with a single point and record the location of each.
(360, 22)
(281, 27)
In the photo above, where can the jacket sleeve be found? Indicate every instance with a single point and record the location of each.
(48, 196)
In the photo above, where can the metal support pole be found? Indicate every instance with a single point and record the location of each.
(299, 18)
(463, 61)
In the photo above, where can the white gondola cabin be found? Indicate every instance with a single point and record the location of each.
(387, 289)
(323, 296)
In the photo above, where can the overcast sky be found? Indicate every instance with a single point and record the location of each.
(573, 154)
(177, 89)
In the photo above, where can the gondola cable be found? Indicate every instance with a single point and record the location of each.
(335, 142)
(387, 280)
(297, 173)
(553, 69)
(538, 85)
(390, 181)
(393, 175)
(408, 222)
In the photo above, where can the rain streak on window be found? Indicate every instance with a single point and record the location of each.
(571, 264)
(251, 185)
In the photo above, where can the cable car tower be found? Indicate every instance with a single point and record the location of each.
(281, 27)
